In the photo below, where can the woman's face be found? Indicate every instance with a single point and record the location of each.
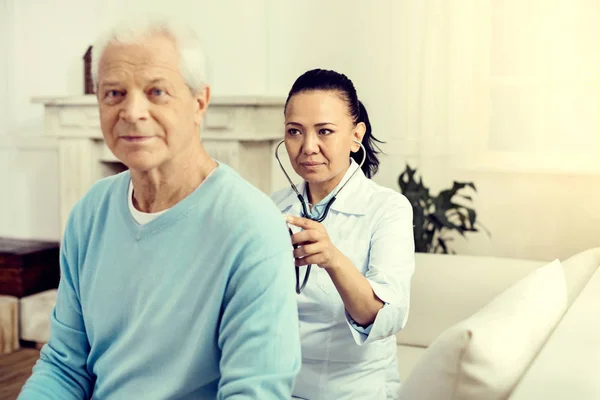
(319, 133)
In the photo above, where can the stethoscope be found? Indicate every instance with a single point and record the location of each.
(305, 213)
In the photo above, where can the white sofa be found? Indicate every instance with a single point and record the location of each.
(448, 289)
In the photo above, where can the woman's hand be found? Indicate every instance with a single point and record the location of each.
(356, 292)
(315, 247)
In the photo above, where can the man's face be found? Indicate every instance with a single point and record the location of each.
(148, 114)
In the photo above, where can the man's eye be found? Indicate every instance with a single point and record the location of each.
(157, 92)
(113, 93)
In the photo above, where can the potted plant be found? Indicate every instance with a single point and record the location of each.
(435, 216)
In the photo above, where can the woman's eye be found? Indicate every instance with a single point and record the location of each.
(293, 132)
(157, 92)
(325, 131)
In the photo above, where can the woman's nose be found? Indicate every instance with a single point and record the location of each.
(310, 144)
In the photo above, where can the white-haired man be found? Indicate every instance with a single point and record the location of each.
(173, 282)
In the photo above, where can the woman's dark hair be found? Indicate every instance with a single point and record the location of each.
(320, 79)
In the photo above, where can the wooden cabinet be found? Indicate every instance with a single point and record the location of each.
(28, 267)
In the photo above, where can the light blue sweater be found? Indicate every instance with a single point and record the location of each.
(197, 304)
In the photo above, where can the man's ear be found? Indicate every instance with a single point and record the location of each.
(359, 133)
(202, 98)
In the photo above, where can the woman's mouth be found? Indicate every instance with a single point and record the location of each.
(312, 164)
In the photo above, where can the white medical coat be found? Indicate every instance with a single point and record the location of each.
(373, 227)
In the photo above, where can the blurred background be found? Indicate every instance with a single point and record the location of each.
(501, 93)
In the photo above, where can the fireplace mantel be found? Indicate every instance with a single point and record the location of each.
(238, 131)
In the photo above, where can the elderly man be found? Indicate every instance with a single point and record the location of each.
(173, 283)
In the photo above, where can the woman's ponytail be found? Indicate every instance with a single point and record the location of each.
(369, 142)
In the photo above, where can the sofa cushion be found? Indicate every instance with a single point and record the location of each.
(483, 356)
(449, 288)
(567, 367)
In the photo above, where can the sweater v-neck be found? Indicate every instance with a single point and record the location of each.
(174, 213)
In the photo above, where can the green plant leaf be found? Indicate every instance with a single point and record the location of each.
(462, 185)
(484, 229)
(436, 215)
(472, 216)
(442, 244)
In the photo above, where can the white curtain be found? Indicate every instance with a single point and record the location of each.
(509, 85)
(506, 93)
(443, 64)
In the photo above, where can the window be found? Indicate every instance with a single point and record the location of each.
(540, 87)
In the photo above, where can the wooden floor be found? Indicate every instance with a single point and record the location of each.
(15, 368)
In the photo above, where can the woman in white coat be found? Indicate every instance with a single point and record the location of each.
(357, 295)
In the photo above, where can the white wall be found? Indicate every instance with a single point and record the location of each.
(399, 53)
(531, 214)
(45, 41)
(28, 169)
(43, 58)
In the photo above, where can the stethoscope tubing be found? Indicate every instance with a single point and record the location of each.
(305, 214)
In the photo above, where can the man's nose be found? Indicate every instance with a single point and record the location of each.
(135, 107)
